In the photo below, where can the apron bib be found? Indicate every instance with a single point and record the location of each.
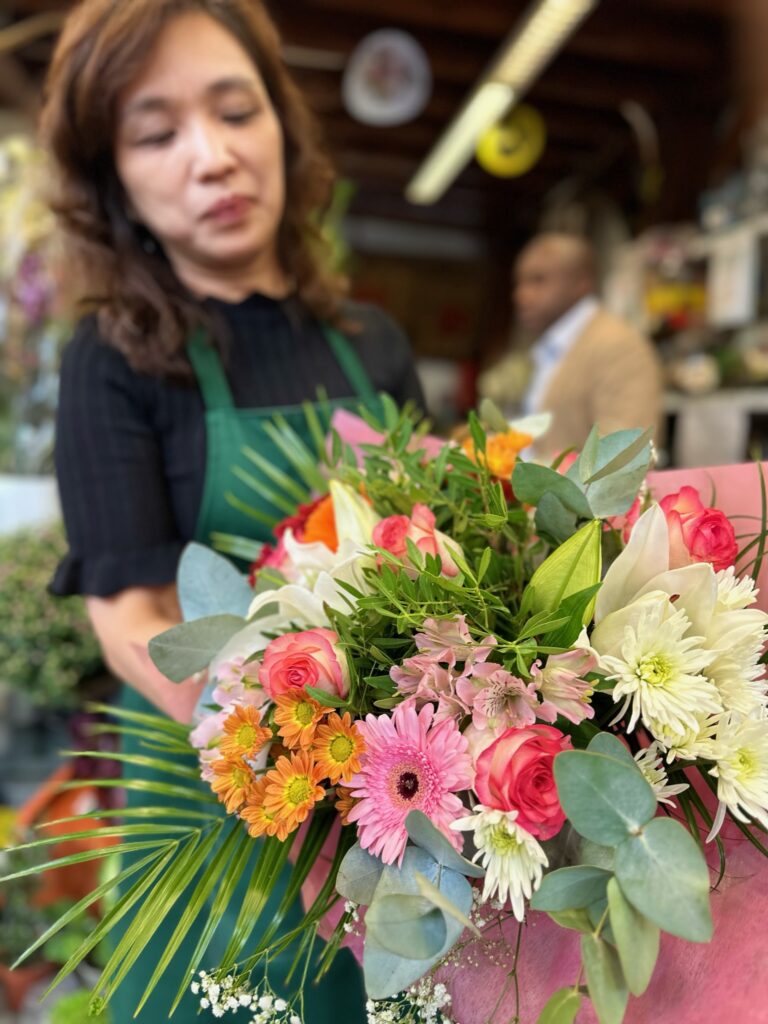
(340, 996)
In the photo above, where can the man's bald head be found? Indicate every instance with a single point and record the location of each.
(552, 273)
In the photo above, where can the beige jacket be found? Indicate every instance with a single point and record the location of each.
(610, 376)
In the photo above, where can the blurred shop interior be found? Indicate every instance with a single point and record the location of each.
(459, 130)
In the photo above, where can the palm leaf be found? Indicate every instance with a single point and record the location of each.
(82, 905)
(258, 485)
(277, 476)
(115, 913)
(254, 513)
(218, 868)
(238, 547)
(166, 789)
(224, 895)
(79, 858)
(265, 875)
(155, 721)
(161, 899)
(139, 760)
(299, 456)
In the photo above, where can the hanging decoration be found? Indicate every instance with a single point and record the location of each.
(388, 79)
(512, 146)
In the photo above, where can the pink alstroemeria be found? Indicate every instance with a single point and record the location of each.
(449, 641)
(562, 686)
(497, 699)
(238, 681)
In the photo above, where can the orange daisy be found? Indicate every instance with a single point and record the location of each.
(293, 789)
(296, 716)
(501, 451)
(337, 747)
(244, 735)
(232, 782)
(260, 823)
(321, 525)
(344, 803)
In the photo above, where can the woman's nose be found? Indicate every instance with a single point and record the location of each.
(212, 154)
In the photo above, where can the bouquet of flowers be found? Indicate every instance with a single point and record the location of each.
(431, 699)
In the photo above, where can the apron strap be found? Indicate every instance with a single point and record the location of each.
(211, 378)
(215, 388)
(350, 363)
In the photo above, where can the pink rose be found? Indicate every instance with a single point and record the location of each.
(309, 658)
(393, 532)
(515, 774)
(698, 533)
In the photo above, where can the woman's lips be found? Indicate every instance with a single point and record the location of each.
(230, 210)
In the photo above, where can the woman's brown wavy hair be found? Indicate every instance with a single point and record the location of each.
(144, 311)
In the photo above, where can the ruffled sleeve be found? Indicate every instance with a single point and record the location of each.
(112, 481)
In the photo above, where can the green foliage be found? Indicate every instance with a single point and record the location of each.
(562, 1007)
(47, 645)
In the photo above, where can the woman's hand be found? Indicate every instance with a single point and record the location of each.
(124, 625)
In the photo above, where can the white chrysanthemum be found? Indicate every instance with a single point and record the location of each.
(689, 744)
(513, 860)
(741, 770)
(658, 669)
(737, 639)
(734, 592)
(651, 764)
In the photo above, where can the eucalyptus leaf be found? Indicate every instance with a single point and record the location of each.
(553, 519)
(663, 874)
(387, 973)
(637, 940)
(459, 886)
(638, 447)
(605, 799)
(400, 921)
(611, 746)
(531, 482)
(588, 458)
(605, 980)
(562, 1007)
(181, 651)
(425, 835)
(576, 920)
(209, 584)
(359, 875)
(570, 888)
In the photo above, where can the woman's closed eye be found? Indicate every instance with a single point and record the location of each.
(156, 138)
(239, 116)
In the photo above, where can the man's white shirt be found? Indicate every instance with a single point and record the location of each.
(552, 347)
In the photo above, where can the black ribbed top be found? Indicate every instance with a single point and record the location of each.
(130, 448)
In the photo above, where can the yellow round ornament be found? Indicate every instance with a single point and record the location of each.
(513, 145)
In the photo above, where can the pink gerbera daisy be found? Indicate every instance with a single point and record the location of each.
(410, 764)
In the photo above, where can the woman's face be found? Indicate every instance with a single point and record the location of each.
(199, 151)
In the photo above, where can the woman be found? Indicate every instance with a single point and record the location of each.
(190, 177)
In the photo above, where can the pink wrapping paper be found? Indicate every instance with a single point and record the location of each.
(723, 982)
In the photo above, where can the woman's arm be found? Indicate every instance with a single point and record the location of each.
(124, 624)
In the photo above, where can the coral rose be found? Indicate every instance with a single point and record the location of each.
(393, 533)
(697, 533)
(309, 658)
(515, 774)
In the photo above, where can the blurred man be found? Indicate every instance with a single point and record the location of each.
(586, 366)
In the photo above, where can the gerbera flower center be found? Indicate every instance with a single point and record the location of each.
(408, 785)
(246, 736)
(341, 748)
(298, 790)
(655, 670)
(239, 777)
(304, 713)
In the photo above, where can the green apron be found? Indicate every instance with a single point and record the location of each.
(340, 996)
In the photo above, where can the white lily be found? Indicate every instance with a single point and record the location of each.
(353, 515)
